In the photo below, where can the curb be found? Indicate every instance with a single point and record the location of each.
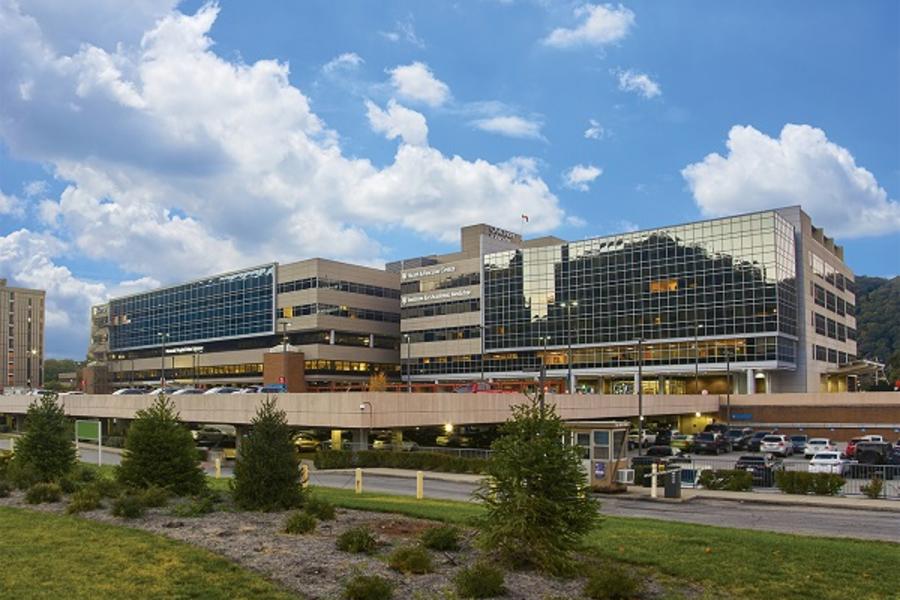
(887, 506)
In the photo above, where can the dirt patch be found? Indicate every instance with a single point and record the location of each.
(311, 565)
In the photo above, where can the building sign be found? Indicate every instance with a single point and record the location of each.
(502, 234)
(427, 272)
(742, 416)
(185, 350)
(430, 297)
(599, 470)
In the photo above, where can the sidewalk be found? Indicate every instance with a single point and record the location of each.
(773, 498)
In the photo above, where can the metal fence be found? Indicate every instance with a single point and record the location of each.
(409, 447)
(855, 475)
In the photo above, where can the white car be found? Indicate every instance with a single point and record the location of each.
(816, 445)
(873, 438)
(827, 462)
(776, 444)
(224, 389)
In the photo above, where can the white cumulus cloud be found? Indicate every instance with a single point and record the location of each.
(801, 166)
(416, 82)
(398, 121)
(580, 177)
(640, 83)
(600, 25)
(11, 205)
(595, 130)
(510, 126)
(347, 60)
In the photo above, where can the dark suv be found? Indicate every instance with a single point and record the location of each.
(756, 440)
(713, 443)
(876, 459)
(739, 438)
(762, 467)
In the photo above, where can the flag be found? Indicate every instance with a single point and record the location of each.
(525, 218)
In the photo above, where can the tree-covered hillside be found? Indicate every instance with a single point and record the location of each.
(878, 321)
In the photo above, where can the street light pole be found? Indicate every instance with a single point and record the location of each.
(481, 334)
(162, 359)
(284, 344)
(697, 328)
(543, 374)
(408, 364)
(570, 382)
(640, 390)
(728, 387)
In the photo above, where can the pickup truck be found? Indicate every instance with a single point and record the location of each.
(875, 459)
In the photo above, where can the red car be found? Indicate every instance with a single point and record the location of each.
(850, 452)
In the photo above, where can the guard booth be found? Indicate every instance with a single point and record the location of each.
(603, 446)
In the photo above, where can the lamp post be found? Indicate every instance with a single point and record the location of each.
(408, 341)
(570, 382)
(544, 339)
(285, 325)
(640, 391)
(697, 328)
(162, 359)
(728, 386)
(481, 335)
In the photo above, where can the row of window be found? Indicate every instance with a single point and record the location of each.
(826, 272)
(350, 312)
(453, 281)
(444, 308)
(823, 354)
(832, 329)
(315, 366)
(324, 283)
(444, 334)
(831, 301)
(679, 353)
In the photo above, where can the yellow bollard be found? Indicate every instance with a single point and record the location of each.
(304, 476)
(218, 467)
(420, 485)
(359, 481)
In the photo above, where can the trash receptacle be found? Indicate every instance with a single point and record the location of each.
(672, 483)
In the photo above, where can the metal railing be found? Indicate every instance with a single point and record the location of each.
(856, 475)
(411, 447)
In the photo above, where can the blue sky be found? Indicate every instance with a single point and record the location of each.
(170, 140)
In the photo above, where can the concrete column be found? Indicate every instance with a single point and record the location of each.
(19, 423)
(751, 381)
(240, 431)
(336, 439)
(635, 383)
(397, 439)
(371, 340)
(331, 338)
(360, 439)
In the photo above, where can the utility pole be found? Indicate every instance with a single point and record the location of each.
(640, 391)
(162, 359)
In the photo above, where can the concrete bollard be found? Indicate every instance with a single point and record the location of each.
(420, 485)
(359, 481)
(12, 445)
(218, 467)
(304, 476)
(653, 472)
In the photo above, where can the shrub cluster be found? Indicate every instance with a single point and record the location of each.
(155, 496)
(5, 457)
(419, 461)
(728, 480)
(874, 488)
(43, 492)
(368, 587)
(320, 508)
(5, 489)
(299, 522)
(197, 506)
(129, 506)
(799, 482)
(357, 540)
(611, 583)
(444, 538)
(480, 580)
(411, 560)
(84, 500)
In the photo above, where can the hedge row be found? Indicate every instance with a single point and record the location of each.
(419, 461)
(728, 480)
(800, 482)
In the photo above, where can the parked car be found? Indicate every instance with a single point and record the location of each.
(798, 442)
(756, 440)
(873, 438)
(273, 388)
(168, 391)
(816, 445)
(850, 451)
(762, 466)
(779, 445)
(129, 392)
(827, 462)
(224, 389)
(739, 438)
(386, 442)
(306, 442)
(682, 441)
(648, 439)
(38, 392)
(250, 389)
(716, 428)
(664, 436)
(710, 442)
(663, 451)
(214, 436)
(875, 459)
(189, 391)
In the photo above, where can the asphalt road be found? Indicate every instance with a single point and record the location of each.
(807, 520)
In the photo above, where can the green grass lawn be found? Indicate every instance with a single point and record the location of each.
(52, 556)
(727, 563)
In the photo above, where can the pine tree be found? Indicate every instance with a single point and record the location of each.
(267, 471)
(159, 450)
(537, 496)
(47, 449)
